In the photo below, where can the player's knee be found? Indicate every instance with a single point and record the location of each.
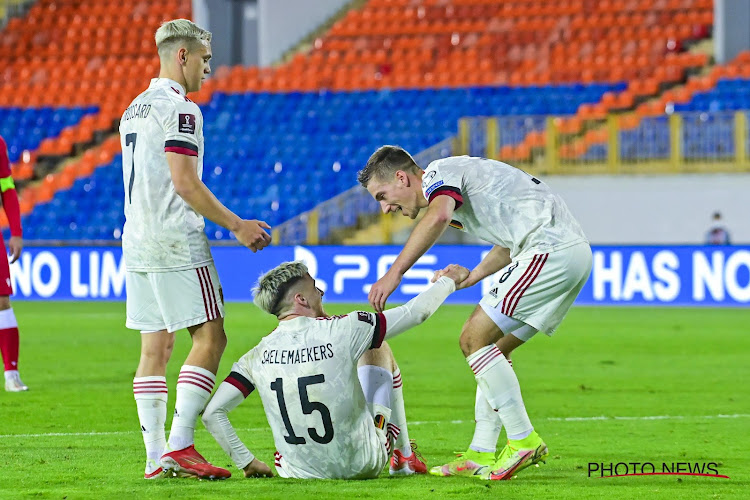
(220, 340)
(215, 343)
(210, 335)
(381, 356)
(167, 353)
(155, 355)
(472, 339)
(466, 342)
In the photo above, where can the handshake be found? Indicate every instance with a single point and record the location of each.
(455, 272)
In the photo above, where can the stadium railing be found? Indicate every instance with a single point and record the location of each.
(683, 142)
(354, 207)
(10, 8)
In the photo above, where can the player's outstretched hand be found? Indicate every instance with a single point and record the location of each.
(455, 272)
(383, 289)
(256, 468)
(15, 245)
(252, 234)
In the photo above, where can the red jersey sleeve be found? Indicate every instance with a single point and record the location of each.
(8, 192)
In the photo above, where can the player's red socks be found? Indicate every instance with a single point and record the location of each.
(9, 339)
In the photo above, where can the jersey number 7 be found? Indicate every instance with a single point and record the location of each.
(130, 139)
(308, 407)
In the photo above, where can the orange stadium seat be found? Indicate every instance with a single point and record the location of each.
(384, 43)
(73, 66)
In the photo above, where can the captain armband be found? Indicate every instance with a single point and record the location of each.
(7, 183)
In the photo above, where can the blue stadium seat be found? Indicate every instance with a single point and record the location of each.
(271, 155)
(24, 129)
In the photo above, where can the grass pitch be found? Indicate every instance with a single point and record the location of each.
(613, 385)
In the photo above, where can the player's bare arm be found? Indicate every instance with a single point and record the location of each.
(425, 234)
(496, 259)
(190, 188)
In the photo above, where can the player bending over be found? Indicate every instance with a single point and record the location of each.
(546, 260)
(329, 384)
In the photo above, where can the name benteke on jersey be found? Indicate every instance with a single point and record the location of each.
(295, 356)
(136, 111)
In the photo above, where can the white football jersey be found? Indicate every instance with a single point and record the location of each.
(502, 205)
(162, 232)
(306, 374)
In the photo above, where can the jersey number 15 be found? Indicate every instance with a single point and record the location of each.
(308, 407)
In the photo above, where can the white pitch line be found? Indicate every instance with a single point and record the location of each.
(652, 417)
(105, 433)
(424, 422)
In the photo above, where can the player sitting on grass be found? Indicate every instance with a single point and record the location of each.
(329, 384)
(546, 260)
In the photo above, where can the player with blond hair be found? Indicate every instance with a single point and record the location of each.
(546, 261)
(171, 280)
(330, 385)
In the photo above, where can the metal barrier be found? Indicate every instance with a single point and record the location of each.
(678, 142)
(12, 8)
(346, 210)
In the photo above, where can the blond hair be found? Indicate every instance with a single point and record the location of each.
(385, 162)
(179, 32)
(272, 286)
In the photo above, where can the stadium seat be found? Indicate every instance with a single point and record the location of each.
(280, 139)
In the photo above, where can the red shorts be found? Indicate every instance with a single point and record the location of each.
(5, 286)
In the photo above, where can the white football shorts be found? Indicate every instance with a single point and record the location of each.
(539, 289)
(372, 448)
(173, 300)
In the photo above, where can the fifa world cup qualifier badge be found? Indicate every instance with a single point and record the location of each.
(187, 123)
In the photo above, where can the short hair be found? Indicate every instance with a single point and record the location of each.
(272, 286)
(179, 31)
(385, 162)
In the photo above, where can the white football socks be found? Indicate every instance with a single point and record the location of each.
(151, 400)
(488, 425)
(376, 383)
(397, 426)
(499, 384)
(194, 387)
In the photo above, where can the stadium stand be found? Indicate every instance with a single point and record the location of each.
(646, 134)
(279, 140)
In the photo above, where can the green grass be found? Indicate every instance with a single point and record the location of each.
(79, 361)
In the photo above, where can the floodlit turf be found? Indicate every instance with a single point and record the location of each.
(75, 434)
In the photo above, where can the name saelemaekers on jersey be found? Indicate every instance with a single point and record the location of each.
(297, 356)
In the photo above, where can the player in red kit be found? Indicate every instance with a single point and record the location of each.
(8, 324)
